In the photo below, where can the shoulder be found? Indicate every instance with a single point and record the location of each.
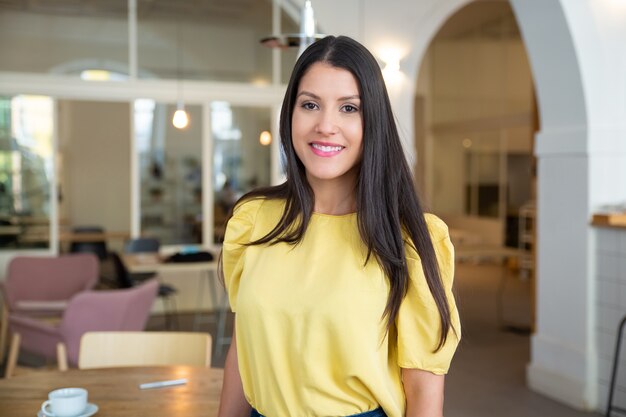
(247, 209)
(254, 209)
(439, 235)
(437, 228)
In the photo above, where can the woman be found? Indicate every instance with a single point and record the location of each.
(340, 284)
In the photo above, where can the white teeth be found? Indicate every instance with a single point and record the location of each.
(324, 148)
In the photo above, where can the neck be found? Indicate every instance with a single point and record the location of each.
(334, 197)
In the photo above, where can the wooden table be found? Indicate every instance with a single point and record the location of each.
(116, 391)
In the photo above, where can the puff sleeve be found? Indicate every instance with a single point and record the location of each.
(418, 322)
(238, 234)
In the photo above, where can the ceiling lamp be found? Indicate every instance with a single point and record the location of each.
(180, 120)
(265, 138)
(181, 117)
(303, 39)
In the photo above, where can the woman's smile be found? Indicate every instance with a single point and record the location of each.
(325, 149)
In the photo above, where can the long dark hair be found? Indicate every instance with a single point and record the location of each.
(386, 201)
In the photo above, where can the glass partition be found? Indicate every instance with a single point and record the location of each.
(26, 171)
(241, 156)
(187, 41)
(63, 37)
(174, 40)
(216, 41)
(170, 173)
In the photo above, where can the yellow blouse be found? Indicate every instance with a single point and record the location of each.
(311, 340)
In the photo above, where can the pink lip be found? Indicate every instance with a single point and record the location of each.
(321, 153)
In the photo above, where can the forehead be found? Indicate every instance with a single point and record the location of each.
(325, 78)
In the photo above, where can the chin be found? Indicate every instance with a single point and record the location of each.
(326, 175)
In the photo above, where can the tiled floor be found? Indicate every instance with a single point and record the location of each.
(487, 378)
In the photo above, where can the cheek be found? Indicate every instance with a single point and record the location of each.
(355, 133)
(298, 126)
(297, 136)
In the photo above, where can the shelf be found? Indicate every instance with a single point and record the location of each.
(609, 220)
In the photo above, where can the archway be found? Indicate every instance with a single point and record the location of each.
(562, 365)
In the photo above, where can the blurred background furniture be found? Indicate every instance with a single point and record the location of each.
(95, 246)
(126, 279)
(142, 245)
(152, 262)
(40, 287)
(88, 311)
(115, 349)
(9, 233)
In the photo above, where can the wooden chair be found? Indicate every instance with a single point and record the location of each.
(116, 349)
(40, 287)
(114, 310)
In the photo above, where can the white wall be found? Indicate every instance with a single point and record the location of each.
(94, 140)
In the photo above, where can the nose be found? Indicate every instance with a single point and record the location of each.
(326, 124)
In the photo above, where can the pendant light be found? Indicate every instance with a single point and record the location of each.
(265, 138)
(180, 120)
(303, 39)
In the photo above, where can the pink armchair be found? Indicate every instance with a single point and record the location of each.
(114, 310)
(41, 286)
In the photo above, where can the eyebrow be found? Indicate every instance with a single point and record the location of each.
(316, 97)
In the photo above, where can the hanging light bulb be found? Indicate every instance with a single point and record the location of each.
(303, 39)
(265, 138)
(181, 118)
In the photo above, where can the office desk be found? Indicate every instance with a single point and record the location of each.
(154, 263)
(116, 391)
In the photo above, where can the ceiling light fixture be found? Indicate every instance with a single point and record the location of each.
(265, 138)
(391, 70)
(181, 117)
(303, 39)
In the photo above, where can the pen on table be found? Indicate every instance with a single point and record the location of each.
(162, 384)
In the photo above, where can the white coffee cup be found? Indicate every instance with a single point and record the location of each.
(65, 402)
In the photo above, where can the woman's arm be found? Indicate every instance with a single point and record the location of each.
(424, 393)
(232, 401)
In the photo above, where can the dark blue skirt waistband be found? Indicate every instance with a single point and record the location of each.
(372, 413)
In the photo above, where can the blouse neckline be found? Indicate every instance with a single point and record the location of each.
(334, 216)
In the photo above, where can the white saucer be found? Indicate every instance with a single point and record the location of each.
(89, 411)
